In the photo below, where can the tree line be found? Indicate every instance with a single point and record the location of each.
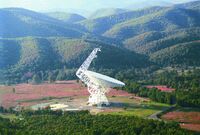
(186, 83)
(46, 122)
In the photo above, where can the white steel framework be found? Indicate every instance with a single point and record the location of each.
(96, 89)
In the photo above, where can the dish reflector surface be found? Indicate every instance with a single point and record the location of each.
(106, 81)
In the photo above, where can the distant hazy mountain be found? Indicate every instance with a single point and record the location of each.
(103, 24)
(106, 12)
(16, 22)
(190, 5)
(141, 4)
(66, 17)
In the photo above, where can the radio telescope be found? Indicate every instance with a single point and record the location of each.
(98, 84)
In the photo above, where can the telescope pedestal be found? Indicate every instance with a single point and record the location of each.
(97, 96)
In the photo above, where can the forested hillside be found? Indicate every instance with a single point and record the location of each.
(151, 42)
(23, 55)
(57, 51)
(147, 38)
(103, 24)
(187, 53)
(165, 20)
(150, 30)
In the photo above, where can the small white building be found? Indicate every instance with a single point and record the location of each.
(58, 107)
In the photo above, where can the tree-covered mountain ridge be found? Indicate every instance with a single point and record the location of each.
(20, 56)
(159, 36)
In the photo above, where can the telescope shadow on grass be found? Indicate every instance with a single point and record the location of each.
(136, 106)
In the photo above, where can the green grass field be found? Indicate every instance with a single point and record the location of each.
(134, 108)
(8, 116)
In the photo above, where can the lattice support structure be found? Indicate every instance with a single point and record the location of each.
(96, 90)
(97, 95)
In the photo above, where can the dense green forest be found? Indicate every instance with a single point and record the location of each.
(186, 84)
(51, 43)
(181, 54)
(24, 58)
(46, 122)
(154, 41)
(56, 43)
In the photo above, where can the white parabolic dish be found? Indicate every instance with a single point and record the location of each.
(98, 84)
(104, 80)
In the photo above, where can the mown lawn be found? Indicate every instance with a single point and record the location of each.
(133, 108)
(133, 112)
(8, 116)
